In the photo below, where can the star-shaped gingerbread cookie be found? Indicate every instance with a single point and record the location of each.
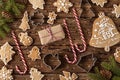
(116, 10)
(37, 3)
(5, 74)
(63, 5)
(52, 16)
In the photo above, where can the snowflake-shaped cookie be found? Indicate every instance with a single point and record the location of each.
(99, 2)
(116, 10)
(63, 5)
(5, 74)
(52, 16)
(68, 76)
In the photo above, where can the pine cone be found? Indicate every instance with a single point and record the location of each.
(6, 14)
(107, 74)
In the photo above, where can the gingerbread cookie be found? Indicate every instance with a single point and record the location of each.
(5, 74)
(6, 53)
(116, 10)
(99, 2)
(117, 55)
(34, 53)
(104, 34)
(68, 76)
(25, 39)
(35, 74)
(63, 5)
(52, 16)
(37, 3)
(24, 25)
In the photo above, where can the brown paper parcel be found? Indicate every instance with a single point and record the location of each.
(51, 34)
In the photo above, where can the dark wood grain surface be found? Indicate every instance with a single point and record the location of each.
(61, 47)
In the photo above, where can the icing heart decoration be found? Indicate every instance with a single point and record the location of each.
(104, 33)
(52, 61)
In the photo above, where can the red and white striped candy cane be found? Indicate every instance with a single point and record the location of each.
(21, 55)
(75, 46)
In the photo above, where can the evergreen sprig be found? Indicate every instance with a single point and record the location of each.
(116, 78)
(97, 75)
(11, 7)
(112, 66)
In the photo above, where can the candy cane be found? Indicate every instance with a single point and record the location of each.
(71, 43)
(75, 46)
(21, 55)
(80, 32)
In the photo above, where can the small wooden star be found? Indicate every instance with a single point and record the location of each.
(5, 74)
(52, 16)
(116, 10)
(63, 5)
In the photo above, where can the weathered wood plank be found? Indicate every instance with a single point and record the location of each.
(61, 47)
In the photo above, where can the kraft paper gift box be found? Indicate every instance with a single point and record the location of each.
(51, 34)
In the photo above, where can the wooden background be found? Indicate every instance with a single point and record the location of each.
(61, 47)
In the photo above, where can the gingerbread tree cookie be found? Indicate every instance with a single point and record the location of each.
(34, 53)
(63, 5)
(116, 10)
(24, 25)
(104, 34)
(35, 74)
(37, 3)
(99, 2)
(5, 74)
(6, 53)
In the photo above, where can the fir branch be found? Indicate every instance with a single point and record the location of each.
(14, 8)
(8, 5)
(2, 33)
(116, 78)
(6, 28)
(112, 66)
(96, 75)
(20, 6)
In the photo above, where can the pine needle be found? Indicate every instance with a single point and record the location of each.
(112, 66)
